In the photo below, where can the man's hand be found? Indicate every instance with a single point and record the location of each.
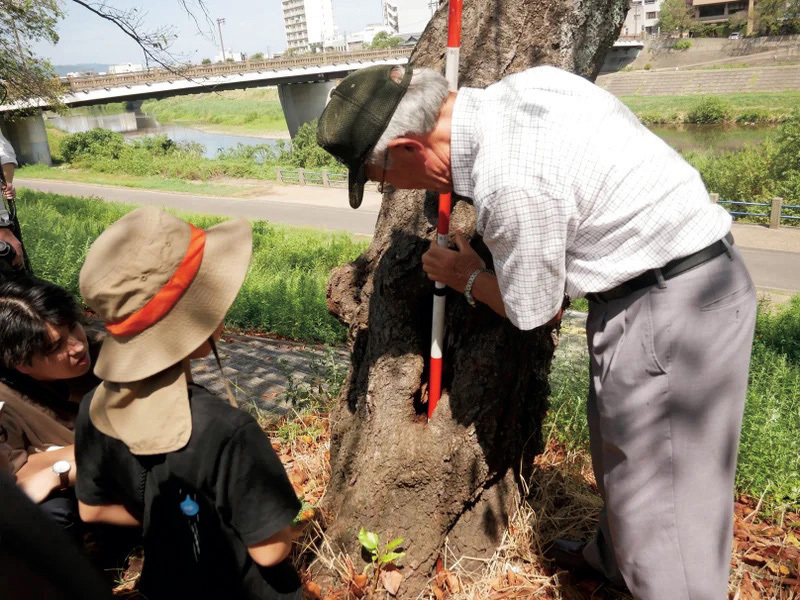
(8, 237)
(451, 267)
(9, 191)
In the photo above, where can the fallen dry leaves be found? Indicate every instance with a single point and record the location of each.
(765, 563)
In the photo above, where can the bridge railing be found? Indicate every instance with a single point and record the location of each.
(77, 84)
(775, 212)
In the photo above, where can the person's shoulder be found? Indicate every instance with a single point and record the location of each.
(211, 411)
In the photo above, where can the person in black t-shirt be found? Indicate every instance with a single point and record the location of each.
(156, 450)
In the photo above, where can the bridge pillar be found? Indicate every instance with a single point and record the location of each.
(303, 102)
(29, 139)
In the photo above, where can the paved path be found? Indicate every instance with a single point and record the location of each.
(773, 257)
(294, 205)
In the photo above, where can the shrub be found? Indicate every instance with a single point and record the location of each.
(752, 116)
(682, 45)
(648, 66)
(97, 142)
(708, 111)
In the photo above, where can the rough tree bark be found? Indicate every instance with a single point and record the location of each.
(453, 480)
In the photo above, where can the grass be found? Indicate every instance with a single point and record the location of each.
(145, 182)
(769, 454)
(237, 111)
(283, 294)
(771, 106)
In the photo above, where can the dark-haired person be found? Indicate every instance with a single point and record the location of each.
(45, 370)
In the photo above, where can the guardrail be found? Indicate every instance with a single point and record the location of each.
(324, 178)
(774, 211)
(77, 84)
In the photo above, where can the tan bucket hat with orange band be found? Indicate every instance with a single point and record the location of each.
(162, 286)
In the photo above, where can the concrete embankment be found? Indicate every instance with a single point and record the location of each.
(702, 82)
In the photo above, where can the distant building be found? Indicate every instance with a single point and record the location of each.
(125, 68)
(642, 18)
(230, 56)
(308, 24)
(714, 11)
(359, 39)
(408, 16)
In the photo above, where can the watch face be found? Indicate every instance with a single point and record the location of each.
(62, 466)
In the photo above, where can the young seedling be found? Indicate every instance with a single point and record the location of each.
(380, 560)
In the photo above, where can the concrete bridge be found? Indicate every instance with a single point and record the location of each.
(304, 84)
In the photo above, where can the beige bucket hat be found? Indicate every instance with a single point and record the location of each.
(162, 286)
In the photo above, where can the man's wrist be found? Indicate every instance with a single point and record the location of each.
(471, 283)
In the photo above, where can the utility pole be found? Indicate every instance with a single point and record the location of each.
(220, 23)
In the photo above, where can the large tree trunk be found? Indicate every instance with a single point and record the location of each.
(456, 478)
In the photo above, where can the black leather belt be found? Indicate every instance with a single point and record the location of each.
(672, 269)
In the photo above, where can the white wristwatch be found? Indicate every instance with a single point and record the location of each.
(62, 469)
(471, 281)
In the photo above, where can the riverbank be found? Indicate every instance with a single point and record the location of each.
(254, 112)
(742, 109)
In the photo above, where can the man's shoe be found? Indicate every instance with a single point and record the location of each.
(568, 555)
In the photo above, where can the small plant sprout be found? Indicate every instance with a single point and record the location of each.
(381, 561)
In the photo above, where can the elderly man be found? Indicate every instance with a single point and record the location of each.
(574, 195)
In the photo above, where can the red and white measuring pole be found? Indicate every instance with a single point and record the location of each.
(437, 335)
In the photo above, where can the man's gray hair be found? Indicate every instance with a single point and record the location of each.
(417, 112)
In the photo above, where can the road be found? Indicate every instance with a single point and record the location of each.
(773, 257)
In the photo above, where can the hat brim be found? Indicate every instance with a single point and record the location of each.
(356, 180)
(200, 310)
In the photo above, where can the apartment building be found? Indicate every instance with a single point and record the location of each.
(714, 11)
(308, 23)
(642, 18)
(408, 16)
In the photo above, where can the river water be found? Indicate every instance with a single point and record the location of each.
(136, 125)
(716, 138)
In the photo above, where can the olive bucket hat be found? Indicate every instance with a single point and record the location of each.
(356, 116)
(162, 286)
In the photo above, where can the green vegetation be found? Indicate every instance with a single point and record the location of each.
(238, 111)
(100, 151)
(769, 455)
(770, 107)
(675, 15)
(283, 294)
(682, 45)
(146, 182)
(757, 173)
(383, 40)
(709, 111)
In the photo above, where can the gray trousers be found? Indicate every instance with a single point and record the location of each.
(669, 367)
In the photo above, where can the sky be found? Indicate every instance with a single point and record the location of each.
(250, 26)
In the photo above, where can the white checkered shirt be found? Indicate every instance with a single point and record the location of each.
(573, 194)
